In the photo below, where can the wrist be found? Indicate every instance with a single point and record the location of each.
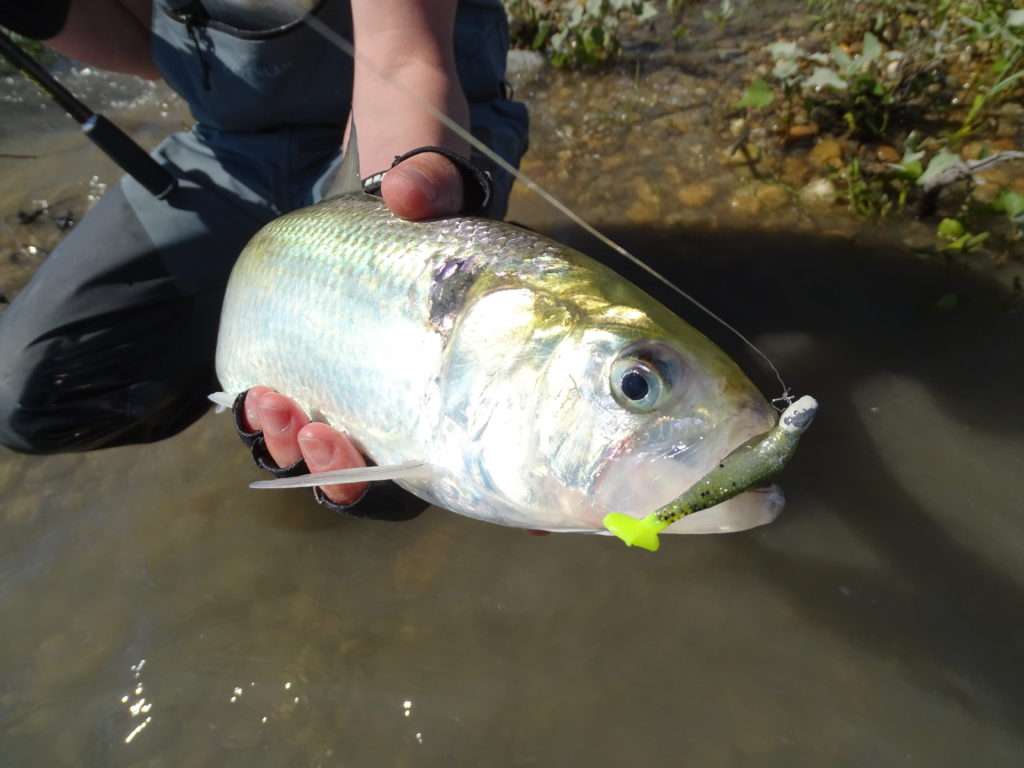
(391, 121)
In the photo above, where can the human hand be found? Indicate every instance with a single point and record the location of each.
(290, 436)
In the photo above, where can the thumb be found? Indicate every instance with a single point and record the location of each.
(423, 187)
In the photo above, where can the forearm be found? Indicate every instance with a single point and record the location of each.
(109, 34)
(409, 42)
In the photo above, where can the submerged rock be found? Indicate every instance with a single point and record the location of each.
(695, 195)
(772, 196)
(819, 193)
(887, 154)
(797, 132)
(827, 153)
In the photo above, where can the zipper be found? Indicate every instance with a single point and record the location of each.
(195, 19)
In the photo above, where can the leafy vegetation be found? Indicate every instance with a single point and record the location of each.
(912, 89)
(574, 33)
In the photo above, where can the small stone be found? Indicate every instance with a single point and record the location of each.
(523, 65)
(887, 154)
(772, 196)
(639, 213)
(827, 153)
(795, 170)
(745, 202)
(695, 195)
(819, 193)
(737, 126)
(797, 132)
(645, 192)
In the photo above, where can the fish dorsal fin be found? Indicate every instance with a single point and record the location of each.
(401, 471)
(348, 179)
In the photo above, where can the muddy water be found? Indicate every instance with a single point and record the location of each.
(154, 612)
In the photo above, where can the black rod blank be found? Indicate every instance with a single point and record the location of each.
(114, 142)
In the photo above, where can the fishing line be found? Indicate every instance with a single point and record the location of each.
(344, 45)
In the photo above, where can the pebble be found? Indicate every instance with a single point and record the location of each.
(819, 193)
(772, 196)
(641, 213)
(695, 195)
(745, 202)
(887, 154)
(827, 153)
(798, 132)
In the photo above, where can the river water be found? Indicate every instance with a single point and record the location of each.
(155, 612)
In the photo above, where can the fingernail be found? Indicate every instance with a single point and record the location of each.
(316, 451)
(276, 413)
(252, 411)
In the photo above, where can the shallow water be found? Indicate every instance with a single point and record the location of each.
(879, 622)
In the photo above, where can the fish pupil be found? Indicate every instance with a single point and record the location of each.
(635, 386)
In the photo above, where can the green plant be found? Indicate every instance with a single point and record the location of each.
(574, 33)
(1012, 204)
(954, 237)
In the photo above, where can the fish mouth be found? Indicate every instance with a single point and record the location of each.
(639, 481)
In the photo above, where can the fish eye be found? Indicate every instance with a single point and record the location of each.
(643, 376)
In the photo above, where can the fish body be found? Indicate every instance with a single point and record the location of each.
(539, 388)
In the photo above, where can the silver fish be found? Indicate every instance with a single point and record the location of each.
(488, 369)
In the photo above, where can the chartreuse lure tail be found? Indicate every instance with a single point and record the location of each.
(753, 463)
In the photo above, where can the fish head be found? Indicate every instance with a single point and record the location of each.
(667, 410)
(577, 408)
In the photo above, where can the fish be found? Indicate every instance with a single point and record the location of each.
(488, 369)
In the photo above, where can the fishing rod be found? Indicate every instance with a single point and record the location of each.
(110, 139)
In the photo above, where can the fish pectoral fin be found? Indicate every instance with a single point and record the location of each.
(403, 471)
(222, 400)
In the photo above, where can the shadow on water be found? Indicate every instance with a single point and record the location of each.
(938, 606)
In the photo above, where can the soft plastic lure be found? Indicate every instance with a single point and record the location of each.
(752, 464)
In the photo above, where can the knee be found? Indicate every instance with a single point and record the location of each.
(27, 418)
(15, 432)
